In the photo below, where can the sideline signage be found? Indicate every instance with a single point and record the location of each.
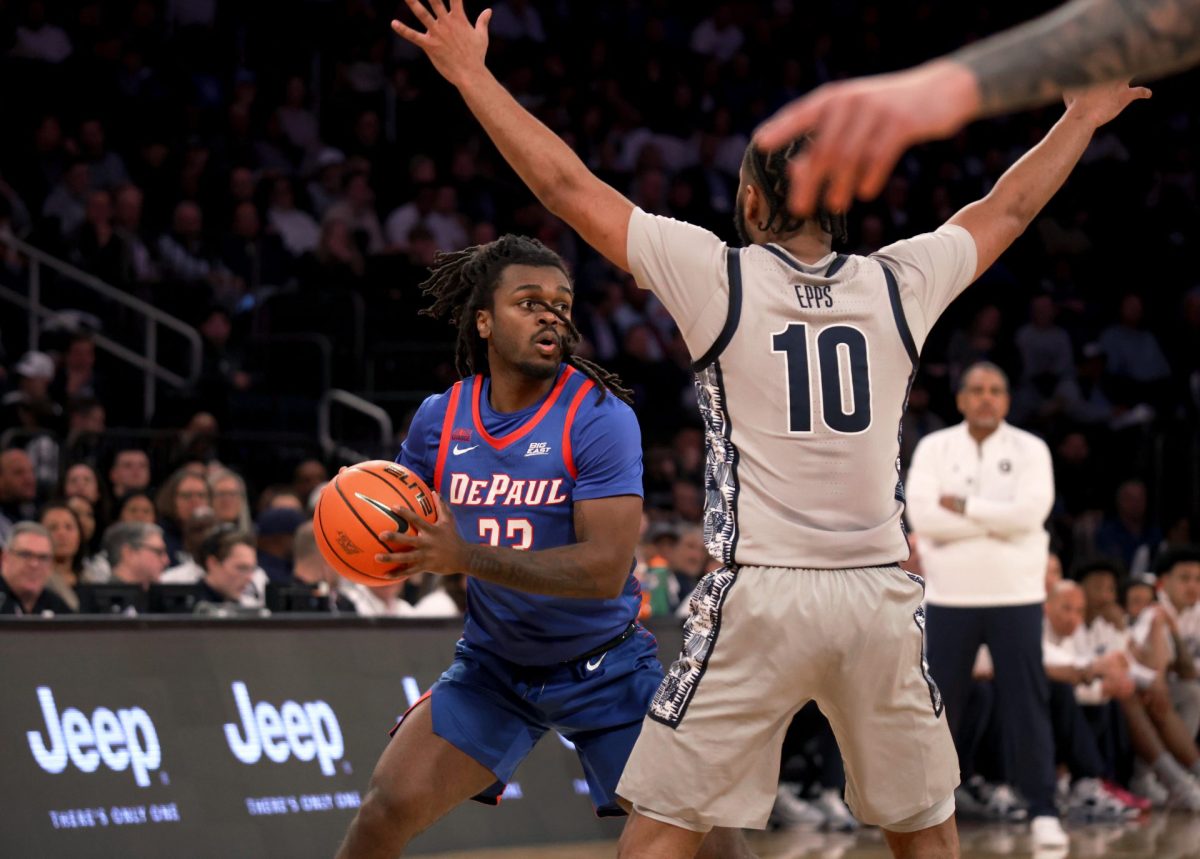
(184, 737)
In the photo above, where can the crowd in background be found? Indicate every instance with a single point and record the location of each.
(210, 159)
(213, 160)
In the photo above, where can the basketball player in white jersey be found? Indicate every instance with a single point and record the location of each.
(803, 361)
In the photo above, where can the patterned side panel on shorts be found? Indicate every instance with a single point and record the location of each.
(720, 467)
(935, 694)
(671, 701)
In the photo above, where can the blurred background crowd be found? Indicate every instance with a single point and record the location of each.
(283, 197)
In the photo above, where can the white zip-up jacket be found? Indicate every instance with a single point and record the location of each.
(995, 552)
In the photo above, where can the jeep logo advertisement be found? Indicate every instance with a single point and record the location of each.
(237, 738)
(304, 731)
(121, 740)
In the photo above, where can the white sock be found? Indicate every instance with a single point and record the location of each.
(1169, 771)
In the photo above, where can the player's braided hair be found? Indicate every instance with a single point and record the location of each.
(770, 174)
(462, 282)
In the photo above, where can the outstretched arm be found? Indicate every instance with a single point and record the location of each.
(863, 126)
(555, 174)
(1079, 44)
(998, 219)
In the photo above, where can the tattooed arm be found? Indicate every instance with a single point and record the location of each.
(1081, 43)
(862, 126)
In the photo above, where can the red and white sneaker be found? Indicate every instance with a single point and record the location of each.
(1132, 800)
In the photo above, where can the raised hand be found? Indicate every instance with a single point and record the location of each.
(1103, 102)
(454, 46)
(861, 127)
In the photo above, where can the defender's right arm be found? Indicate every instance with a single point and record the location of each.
(862, 126)
(547, 166)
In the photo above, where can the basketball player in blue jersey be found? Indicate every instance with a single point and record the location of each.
(536, 460)
(803, 359)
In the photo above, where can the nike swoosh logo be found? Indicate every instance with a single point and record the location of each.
(461, 450)
(592, 665)
(384, 509)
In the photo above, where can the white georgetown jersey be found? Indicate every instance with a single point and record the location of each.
(802, 374)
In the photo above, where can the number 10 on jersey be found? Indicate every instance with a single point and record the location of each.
(840, 356)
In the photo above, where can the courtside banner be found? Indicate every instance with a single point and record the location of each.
(195, 738)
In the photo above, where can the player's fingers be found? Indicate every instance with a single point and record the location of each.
(423, 15)
(407, 516)
(799, 179)
(852, 145)
(443, 509)
(789, 122)
(400, 538)
(456, 6)
(1142, 92)
(439, 7)
(406, 32)
(877, 165)
(401, 559)
(822, 160)
(481, 23)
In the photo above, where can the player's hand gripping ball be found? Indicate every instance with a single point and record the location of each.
(355, 507)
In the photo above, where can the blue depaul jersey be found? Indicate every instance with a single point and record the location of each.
(512, 480)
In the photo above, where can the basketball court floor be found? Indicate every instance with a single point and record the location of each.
(1160, 836)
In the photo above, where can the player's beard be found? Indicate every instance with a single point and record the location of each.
(541, 369)
(739, 224)
(537, 369)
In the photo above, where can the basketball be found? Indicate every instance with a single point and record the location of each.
(355, 507)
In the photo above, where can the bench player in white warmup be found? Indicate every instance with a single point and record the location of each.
(803, 360)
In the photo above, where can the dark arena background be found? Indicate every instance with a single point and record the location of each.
(214, 217)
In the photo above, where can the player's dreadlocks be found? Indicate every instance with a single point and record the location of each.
(463, 282)
(770, 173)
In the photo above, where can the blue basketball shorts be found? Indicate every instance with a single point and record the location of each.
(495, 711)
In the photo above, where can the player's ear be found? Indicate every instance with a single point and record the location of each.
(752, 203)
(483, 323)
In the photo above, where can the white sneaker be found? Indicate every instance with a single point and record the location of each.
(1089, 801)
(791, 811)
(1047, 831)
(1146, 783)
(967, 804)
(1003, 804)
(1062, 790)
(837, 816)
(1184, 795)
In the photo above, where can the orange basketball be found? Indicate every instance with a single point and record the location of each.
(355, 507)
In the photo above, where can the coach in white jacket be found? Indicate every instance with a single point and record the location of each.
(978, 495)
